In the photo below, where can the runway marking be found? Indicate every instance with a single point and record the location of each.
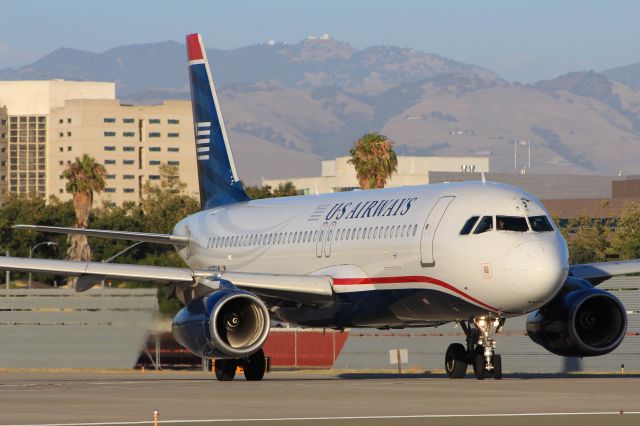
(284, 419)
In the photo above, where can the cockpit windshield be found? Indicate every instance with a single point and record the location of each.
(540, 224)
(485, 225)
(512, 223)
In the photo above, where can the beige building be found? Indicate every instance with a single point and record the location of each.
(338, 175)
(130, 141)
(45, 125)
(28, 105)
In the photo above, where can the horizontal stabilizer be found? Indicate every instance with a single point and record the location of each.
(175, 240)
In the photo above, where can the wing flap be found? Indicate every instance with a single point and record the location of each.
(175, 240)
(596, 273)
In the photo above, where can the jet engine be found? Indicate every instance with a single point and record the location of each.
(228, 323)
(580, 321)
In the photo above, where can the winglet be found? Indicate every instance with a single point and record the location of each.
(217, 175)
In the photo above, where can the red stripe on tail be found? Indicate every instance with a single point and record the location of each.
(194, 47)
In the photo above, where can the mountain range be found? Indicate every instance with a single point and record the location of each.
(294, 104)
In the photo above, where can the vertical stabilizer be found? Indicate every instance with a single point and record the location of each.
(217, 175)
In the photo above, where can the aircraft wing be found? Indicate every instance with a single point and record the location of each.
(305, 289)
(596, 273)
(175, 240)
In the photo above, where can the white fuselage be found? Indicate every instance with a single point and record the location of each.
(393, 240)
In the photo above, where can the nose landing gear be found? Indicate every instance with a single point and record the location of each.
(479, 351)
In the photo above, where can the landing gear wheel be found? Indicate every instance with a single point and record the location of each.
(255, 366)
(225, 369)
(479, 366)
(455, 361)
(497, 367)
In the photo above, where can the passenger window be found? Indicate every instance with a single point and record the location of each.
(404, 228)
(397, 231)
(468, 225)
(511, 223)
(540, 224)
(415, 229)
(386, 231)
(485, 225)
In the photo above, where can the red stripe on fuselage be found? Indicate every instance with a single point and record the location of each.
(409, 279)
(194, 48)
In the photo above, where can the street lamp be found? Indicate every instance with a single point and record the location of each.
(6, 253)
(32, 249)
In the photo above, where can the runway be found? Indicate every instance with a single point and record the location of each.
(294, 398)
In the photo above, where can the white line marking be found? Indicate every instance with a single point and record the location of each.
(284, 419)
(203, 149)
(204, 124)
(204, 132)
(201, 141)
(200, 157)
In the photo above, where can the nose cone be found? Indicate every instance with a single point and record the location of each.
(536, 270)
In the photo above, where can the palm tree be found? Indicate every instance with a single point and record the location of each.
(85, 177)
(374, 160)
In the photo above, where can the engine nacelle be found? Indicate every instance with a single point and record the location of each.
(580, 321)
(225, 324)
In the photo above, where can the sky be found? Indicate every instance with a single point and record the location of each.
(520, 40)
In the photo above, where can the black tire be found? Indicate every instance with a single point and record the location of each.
(479, 364)
(497, 367)
(255, 366)
(225, 369)
(455, 361)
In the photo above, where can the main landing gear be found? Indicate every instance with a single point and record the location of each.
(479, 351)
(254, 366)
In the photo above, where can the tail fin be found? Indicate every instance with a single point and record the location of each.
(217, 176)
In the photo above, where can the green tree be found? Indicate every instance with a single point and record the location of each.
(588, 240)
(626, 242)
(84, 177)
(286, 189)
(374, 160)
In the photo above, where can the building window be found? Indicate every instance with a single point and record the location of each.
(128, 177)
(61, 149)
(109, 134)
(154, 134)
(109, 190)
(154, 121)
(173, 121)
(128, 134)
(128, 148)
(68, 148)
(173, 149)
(69, 134)
(61, 121)
(128, 190)
(128, 120)
(173, 162)
(110, 176)
(129, 162)
(173, 135)
(109, 148)
(68, 120)
(154, 148)
(61, 134)
(154, 162)
(154, 177)
(109, 161)
(109, 120)
(60, 163)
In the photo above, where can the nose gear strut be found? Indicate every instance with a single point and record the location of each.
(479, 350)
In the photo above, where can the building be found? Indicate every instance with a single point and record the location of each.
(338, 175)
(45, 125)
(130, 141)
(27, 107)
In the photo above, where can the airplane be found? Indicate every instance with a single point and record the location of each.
(474, 253)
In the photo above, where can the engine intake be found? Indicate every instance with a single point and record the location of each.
(224, 324)
(580, 321)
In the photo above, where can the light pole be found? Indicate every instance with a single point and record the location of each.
(32, 249)
(6, 253)
(119, 253)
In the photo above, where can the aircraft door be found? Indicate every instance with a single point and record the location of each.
(429, 230)
(327, 243)
(320, 239)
